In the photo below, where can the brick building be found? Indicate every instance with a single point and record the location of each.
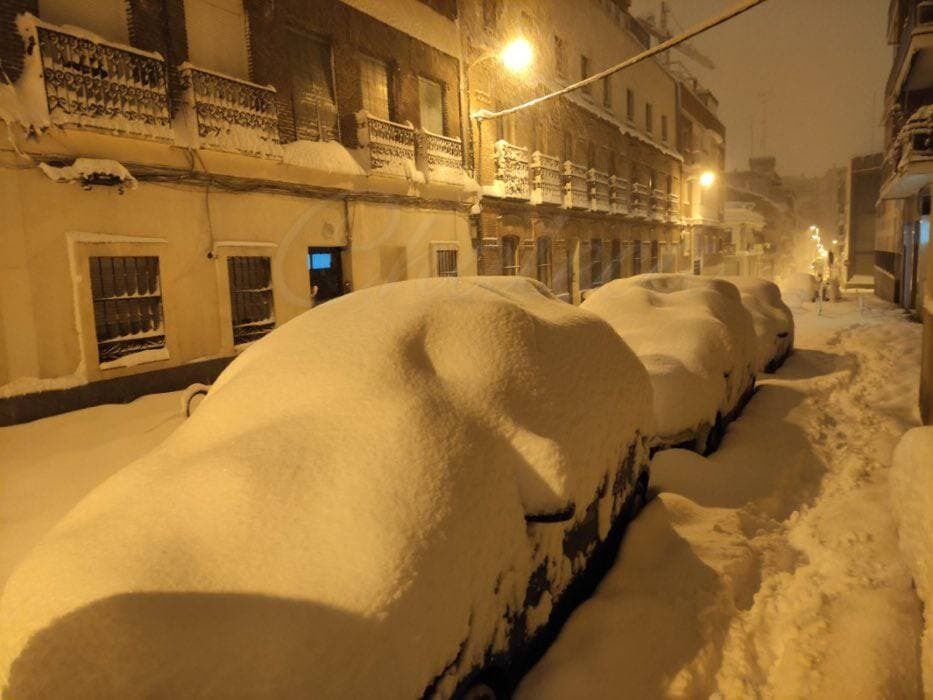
(182, 176)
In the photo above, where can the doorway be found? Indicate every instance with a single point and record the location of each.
(325, 271)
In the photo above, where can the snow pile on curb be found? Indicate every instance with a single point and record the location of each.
(695, 338)
(912, 496)
(351, 494)
(774, 322)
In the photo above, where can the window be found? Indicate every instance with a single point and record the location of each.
(446, 262)
(636, 258)
(585, 73)
(649, 117)
(543, 250)
(127, 301)
(568, 146)
(312, 87)
(596, 262)
(607, 92)
(251, 307)
(374, 83)
(510, 256)
(560, 57)
(630, 105)
(431, 96)
(615, 261)
(664, 127)
(490, 13)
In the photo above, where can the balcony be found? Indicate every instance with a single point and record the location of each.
(576, 186)
(909, 161)
(916, 35)
(391, 146)
(639, 203)
(619, 195)
(96, 85)
(600, 190)
(546, 179)
(229, 114)
(512, 173)
(657, 206)
(673, 207)
(440, 157)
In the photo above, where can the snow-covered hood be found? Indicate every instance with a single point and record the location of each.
(694, 336)
(344, 513)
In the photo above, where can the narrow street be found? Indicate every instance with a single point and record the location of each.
(770, 569)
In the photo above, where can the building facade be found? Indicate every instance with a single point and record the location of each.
(181, 177)
(903, 263)
(863, 186)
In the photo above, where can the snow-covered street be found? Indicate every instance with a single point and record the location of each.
(770, 569)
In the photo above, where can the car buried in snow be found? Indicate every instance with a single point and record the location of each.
(697, 342)
(772, 319)
(400, 493)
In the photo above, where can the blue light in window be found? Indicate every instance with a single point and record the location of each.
(319, 261)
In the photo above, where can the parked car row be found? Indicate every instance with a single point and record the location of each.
(401, 493)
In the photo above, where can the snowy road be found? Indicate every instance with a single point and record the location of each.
(770, 569)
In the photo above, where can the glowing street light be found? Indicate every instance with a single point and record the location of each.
(707, 179)
(517, 55)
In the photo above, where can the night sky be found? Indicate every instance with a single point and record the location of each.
(816, 68)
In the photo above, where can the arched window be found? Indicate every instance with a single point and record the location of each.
(543, 251)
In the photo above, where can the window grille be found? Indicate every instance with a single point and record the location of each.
(509, 256)
(251, 303)
(127, 302)
(374, 84)
(447, 263)
(431, 99)
(543, 250)
(596, 261)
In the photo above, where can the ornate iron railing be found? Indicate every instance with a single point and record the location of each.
(576, 187)
(438, 154)
(231, 114)
(96, 85)
(546, 178)
(913, 143)
(657, 205)
(600, 190)
(391, 146)
(619, 195)
(512, 176)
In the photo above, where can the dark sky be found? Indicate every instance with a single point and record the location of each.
(809, 74)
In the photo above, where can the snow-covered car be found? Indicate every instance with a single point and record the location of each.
(774, 322)
(400, 493)
(696, 340)
(798, 288)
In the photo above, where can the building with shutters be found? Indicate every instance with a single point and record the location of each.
(182, 176)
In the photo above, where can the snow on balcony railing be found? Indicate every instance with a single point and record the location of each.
(914, 143)
(90, 83)
(619, 194)
(439, 156)
(657, 205)
(639, 205)
(600, 190)
(673, 207)
(546, 179)
(576, 187)
(512, 178)
(391, 146)
(230, 114)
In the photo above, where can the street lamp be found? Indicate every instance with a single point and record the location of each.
(707, 179)
(517, 55)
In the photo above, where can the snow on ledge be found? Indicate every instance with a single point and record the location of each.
(137, 358)
(326, 156)
(34, 385)
(91, 171)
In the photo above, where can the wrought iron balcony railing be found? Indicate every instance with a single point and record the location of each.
(92, 84)
(914, 143)
(512, 173)
(639, 202)
(576, 187)
(600, 190)
(546, 179)
(230, 114)
(439, 155)
(620, 195)
(391, 146)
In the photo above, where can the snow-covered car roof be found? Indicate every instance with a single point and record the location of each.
(346, 509)
(694, 336)
(773, 320)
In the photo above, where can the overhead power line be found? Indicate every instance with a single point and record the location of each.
(740, 8)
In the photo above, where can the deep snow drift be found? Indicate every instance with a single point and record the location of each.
(345, 511)
(695, 338)
(773, 320)
(770, 569)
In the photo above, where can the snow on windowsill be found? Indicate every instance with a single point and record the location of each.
(137, 358)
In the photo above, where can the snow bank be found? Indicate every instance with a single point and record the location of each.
(91, 171)
(773, 320)
(912, 496)
(798, 288)
(345, 510)
(696, 340)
